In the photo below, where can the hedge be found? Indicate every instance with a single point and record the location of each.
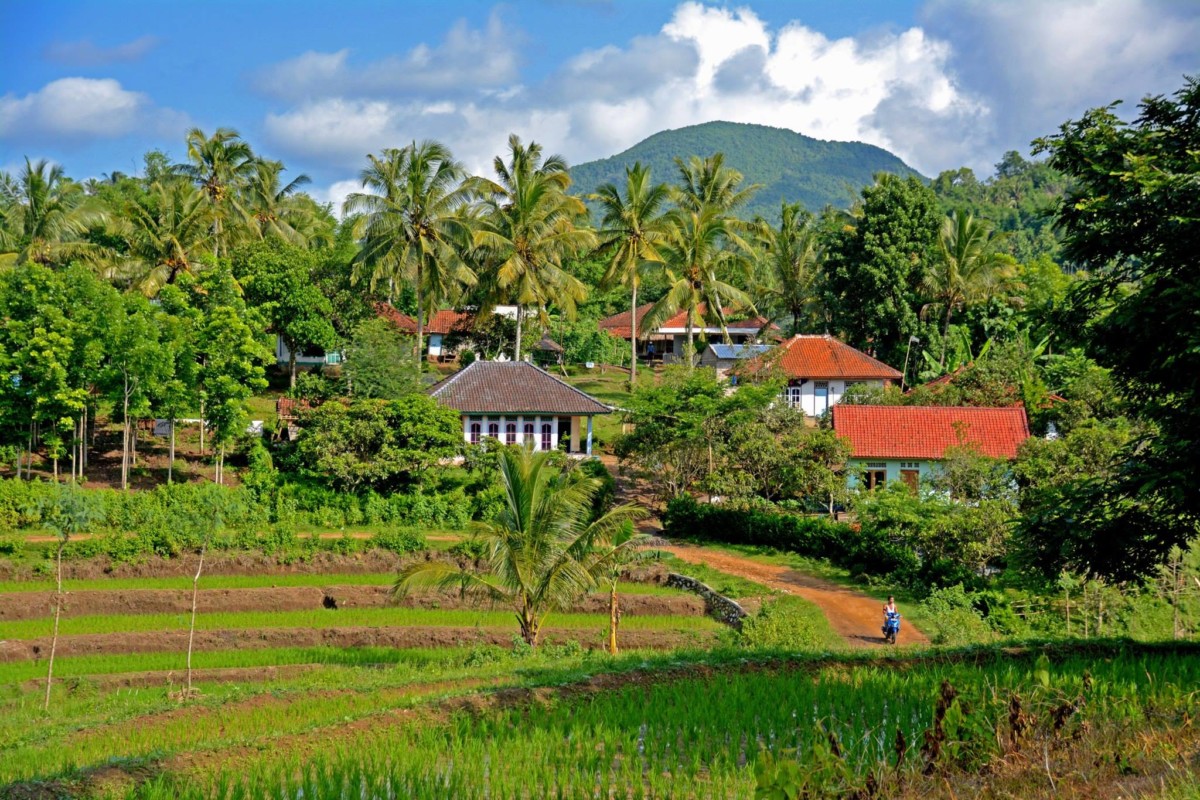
(868, 553)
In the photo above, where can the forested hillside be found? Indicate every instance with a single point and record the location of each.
(788, 165)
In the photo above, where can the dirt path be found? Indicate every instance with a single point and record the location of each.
(853, 616)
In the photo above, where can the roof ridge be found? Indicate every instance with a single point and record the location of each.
(436, 389)
(564, 383)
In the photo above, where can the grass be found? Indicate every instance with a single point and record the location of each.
(183, 582)
(347, 617)
(610, 387)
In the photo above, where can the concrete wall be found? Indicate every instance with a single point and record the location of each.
(804, 395)
(720, 607)
(855, 467)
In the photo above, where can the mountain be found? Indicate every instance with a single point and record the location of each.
(789, 165)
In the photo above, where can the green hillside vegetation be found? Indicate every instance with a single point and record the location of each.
(788, 165)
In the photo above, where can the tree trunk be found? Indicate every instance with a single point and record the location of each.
(84, 446)
(125, 437)
(614, 618)
(690, 344)
(291, 365)
(517, 345)
(171, 459)
(420, 318)
(192, 626)
(529, 627)
(58, 602)
(201, 427)
(946, 332)
(633, 338)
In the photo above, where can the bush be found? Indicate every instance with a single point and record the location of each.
(786, 623)
(863, 552)
(399, 540)
(951, 612)
(473, 548)
(602, 501)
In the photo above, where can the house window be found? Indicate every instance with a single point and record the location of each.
(794, 396)
(510, 433)
(474, 432)
(494, 430)
(821, 397)
(547, 436)
(876, 474)
(527, 434)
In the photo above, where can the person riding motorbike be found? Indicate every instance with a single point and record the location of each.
(891, 620)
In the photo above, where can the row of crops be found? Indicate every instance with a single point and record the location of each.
(702, 736)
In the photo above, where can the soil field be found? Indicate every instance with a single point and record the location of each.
(34, 605)
(360, 636)
(241, 563)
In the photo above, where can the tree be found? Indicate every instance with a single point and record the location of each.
(43, 216)
(538, 556)
(380, 362)
(71, 511)
(529, 227)
(708, 183)
(177, 391)
(219, 165)
(792, 257)
(607, 560)
(874, 268)
(966, 270)
(632, 228)
(136, 364)
(278, 280)
(412, 225)
(275, 210)
(380, 445)
(697, 257)
(165, 230)
(1132, 217)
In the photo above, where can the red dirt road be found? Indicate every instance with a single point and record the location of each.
(853, 616)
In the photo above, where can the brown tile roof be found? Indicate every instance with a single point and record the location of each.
(618, 324)
(924, 432)
(820, 357)
(443, 322)
(512, 387)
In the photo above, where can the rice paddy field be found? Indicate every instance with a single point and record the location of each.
(295, 698)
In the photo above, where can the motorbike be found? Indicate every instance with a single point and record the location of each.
(891, 626)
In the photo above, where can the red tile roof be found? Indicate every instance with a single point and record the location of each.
(619, 323)
(822, 357)
(924, 432)
(442, 322)
(512, 387)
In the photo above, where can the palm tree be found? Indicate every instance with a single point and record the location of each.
(529, 227)
(166, 230)
(608, 560)
(700, 247)
(413, 225)
(271, 206)
(708, 183)
(792, 257)
(539, 555)
(632, 229)
(43, 216)
(967, 268)
(220, 165)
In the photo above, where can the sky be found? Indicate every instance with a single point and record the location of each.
(941, 83)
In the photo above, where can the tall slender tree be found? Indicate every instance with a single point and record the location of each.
(412, 226)
(165, 232)
(220, 165)
(791, 254)
(44, 214)
(967, 267)
(275, 209)
(530, 225)
(633, 226)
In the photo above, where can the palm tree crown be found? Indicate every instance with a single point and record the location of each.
(43, 215)
(792, 257)
(219, 165)
(967, 268)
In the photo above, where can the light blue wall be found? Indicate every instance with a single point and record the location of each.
(856, 466)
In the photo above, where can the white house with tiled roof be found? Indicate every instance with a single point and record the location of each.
(516, 402)
(668, 341)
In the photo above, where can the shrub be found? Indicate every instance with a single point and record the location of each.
(952, 613)
(399, 540)
(603, 499)
(472, 548)
(785, 623)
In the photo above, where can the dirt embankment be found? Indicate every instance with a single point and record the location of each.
(362, 636)
(853, 616)
(33, 605)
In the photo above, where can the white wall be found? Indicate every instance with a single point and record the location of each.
(805, 398)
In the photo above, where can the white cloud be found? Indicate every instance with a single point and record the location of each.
(86, 53)
(76, 108)
(335, 194)
(467, 59)
(705, 64)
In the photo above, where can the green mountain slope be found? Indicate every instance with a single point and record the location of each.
(789, 165)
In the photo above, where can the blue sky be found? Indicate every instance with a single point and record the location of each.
(942, 83)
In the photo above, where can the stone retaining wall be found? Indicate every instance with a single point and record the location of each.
(719, 606)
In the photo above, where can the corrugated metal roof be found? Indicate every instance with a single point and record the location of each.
(735, 351)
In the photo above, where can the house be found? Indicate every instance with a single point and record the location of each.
(668, 341)
(906, 443)
(305, 358)
(724, 357)
(444, 330)
(516, 402)
(819, 369)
